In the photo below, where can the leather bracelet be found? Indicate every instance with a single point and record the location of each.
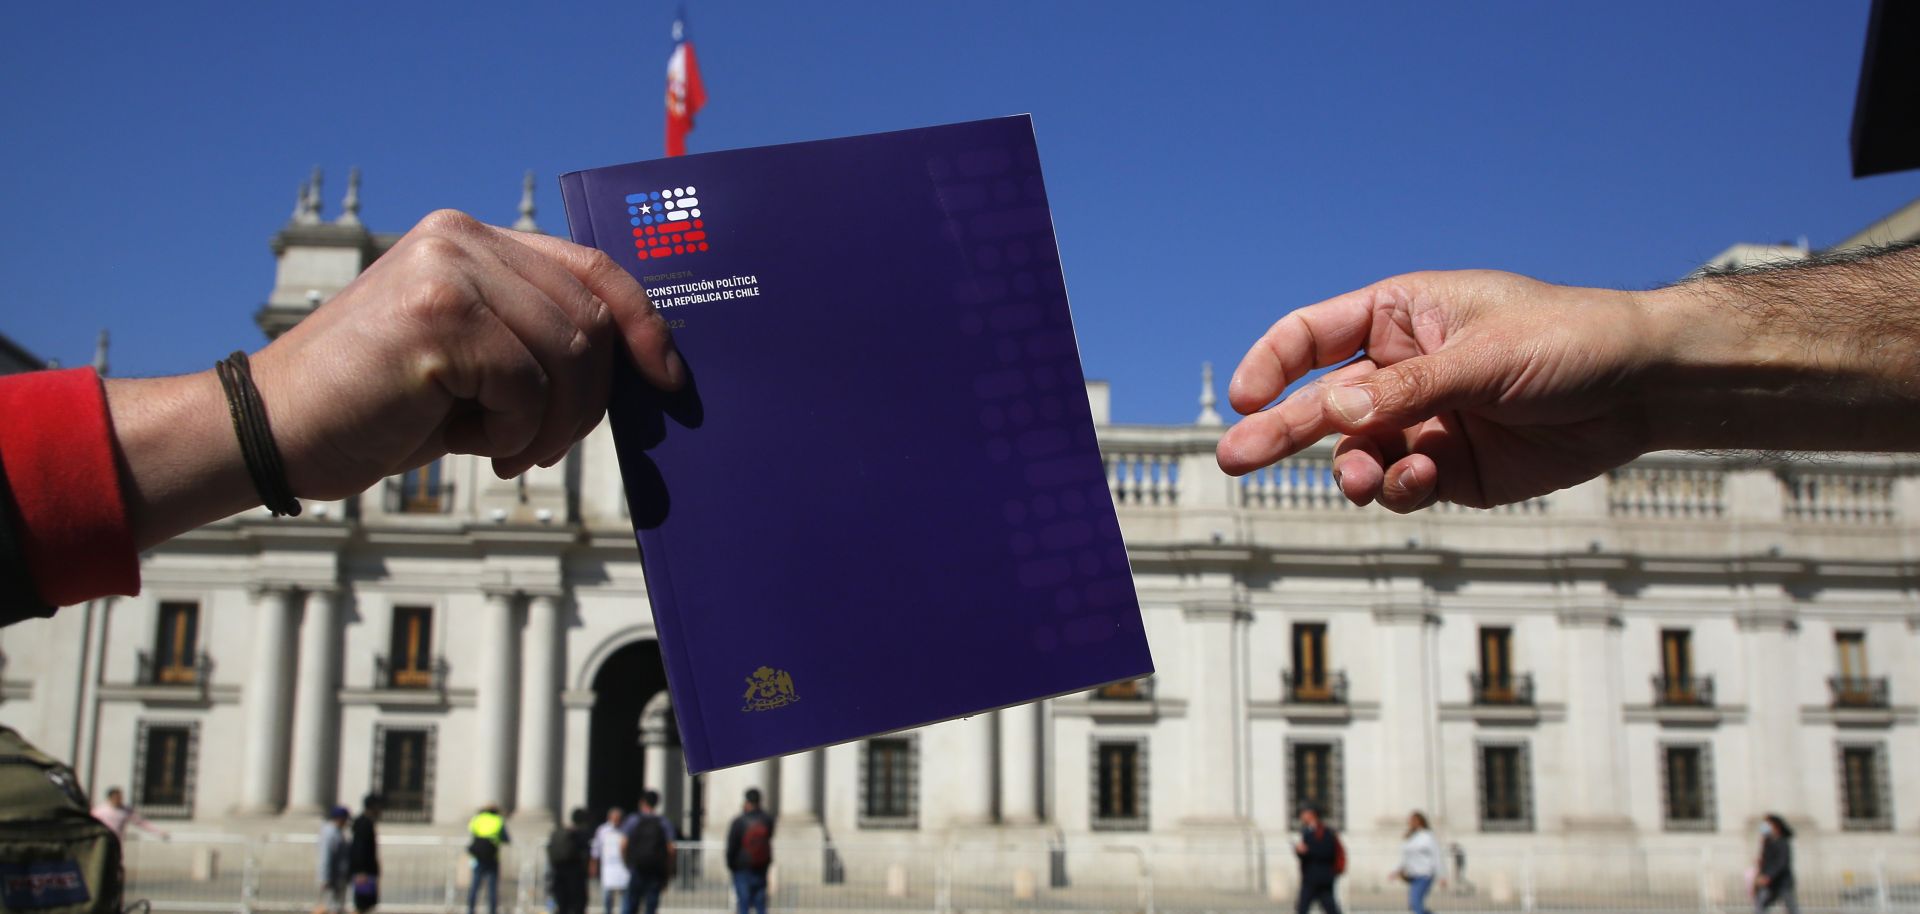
(257, 446)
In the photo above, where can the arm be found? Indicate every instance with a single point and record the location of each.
(140, 821)
(735, 832)
(1484, 388)
(462, 338)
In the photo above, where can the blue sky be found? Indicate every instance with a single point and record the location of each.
(151, 150)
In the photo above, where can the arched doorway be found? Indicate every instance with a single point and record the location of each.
(616, 764)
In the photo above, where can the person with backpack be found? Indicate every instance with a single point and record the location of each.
(750, 853)
(1322, 860)
(646, 852)
(488, 831)
(363, 855)
(568, 850)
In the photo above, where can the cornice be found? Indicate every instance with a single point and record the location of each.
(1589, 611)
(1406, 611)
(1779, 617)
(323, 235)
(540, 539)
(1232, 608)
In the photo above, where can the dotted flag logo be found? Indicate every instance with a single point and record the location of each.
(666, 222)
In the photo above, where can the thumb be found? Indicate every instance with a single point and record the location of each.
(1406, 393)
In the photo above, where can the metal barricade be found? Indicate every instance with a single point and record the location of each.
(219, 873)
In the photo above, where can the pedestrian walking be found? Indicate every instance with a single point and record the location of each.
(609, 864)
(569, 849)
(117, 815)
(1322, 861)
(646, 849)
(333, 868)
(363, 855)
(1773, 881)
(487, 831)
(750, 853)
(1420, 862)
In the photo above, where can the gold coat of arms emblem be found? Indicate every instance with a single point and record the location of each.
(769, 688)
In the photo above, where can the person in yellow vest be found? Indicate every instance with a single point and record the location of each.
(489, 831)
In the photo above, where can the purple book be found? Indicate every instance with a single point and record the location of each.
(880, 502)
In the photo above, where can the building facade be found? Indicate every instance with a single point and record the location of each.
(1647, 662)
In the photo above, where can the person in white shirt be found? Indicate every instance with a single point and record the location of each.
(608, 840)
(1420, 862)
(117, 815)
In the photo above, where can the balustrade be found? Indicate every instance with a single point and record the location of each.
(1667, 492)
(1143, 478)
(1838, 497)
(1301, 482)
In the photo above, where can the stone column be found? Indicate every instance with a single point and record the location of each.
(496, 684)
(1215, 765)
(263, 784)
(1595, 795)
(1773, 715)
(1406, 765)
(799, 789)
(726, 788)
(658, 772)
(973, 802)
(316, 712)
(1020, 764)
(577, 705)
(540, 711)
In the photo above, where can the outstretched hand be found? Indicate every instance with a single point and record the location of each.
(1478, 388)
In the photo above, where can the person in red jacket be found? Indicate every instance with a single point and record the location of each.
(463, 338)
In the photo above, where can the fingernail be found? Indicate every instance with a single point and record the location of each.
(676, 369)
(1336, 479)
(1352, 404)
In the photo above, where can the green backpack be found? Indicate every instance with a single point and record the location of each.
(55, 857)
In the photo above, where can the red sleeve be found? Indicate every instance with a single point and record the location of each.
(57, 447)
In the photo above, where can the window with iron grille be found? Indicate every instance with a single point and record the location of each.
(1120, 784)
(890, 782)
(1865, 800)
(1314, 777)
(403, 766)
(1686, 776)
(1506, 788)
(166, 759)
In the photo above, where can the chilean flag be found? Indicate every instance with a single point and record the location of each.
(686, 94)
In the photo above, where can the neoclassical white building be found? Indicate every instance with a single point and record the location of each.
(1648, 661)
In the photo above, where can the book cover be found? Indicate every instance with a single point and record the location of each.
(879, 502)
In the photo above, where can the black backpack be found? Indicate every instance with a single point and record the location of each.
(563, 848)
(647, 846)
(55, 857)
